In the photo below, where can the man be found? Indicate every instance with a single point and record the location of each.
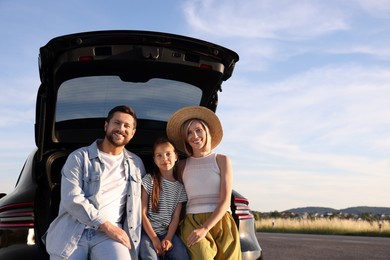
(100, 209)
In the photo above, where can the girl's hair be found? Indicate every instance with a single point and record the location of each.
(184, 133)
(156, 174)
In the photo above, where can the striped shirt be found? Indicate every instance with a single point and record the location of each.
(172, 193)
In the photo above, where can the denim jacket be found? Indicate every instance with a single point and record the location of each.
(80, 185)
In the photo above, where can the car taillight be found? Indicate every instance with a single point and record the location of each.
(242, 208)
(206, 67)
(85, 58)
(17, 215)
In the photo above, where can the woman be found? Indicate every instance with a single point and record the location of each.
(208, 229)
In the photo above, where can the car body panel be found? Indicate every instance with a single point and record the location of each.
(133, 57)
(84, 75)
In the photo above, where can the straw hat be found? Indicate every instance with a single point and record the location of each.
(194, 112)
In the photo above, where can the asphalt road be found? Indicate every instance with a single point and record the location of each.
(281, 246)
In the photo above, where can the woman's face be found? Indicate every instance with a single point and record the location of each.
(196, 135)
(165, 157)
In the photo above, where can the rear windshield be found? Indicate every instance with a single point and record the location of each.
(93, 97)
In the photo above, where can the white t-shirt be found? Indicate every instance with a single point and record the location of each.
(113, 187)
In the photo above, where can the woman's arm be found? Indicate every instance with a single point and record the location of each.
(180, 165)
(225, 167)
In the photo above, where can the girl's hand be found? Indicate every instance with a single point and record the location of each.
(166, 245)
(157, 245)
(196, 235)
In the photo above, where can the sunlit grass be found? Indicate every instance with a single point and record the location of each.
(324, 226)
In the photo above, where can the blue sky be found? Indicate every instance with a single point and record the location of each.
(306, 115)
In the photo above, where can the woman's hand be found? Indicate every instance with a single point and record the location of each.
(196, 235)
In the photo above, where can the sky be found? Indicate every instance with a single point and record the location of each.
(306, 114)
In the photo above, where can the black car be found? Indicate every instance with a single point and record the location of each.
(82, 77)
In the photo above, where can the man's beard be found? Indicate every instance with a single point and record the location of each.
(111, 139)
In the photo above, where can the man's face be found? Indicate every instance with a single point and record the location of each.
(120, 129)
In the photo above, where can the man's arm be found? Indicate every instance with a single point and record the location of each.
(73, 197)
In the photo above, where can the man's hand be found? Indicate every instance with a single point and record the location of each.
(116, 233)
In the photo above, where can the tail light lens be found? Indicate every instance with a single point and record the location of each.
(17, 215)
(206, 67)
(242, 209)
(85, 58)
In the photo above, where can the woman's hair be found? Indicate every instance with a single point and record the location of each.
(184, 133)
(156, 174)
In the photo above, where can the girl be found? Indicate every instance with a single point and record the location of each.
(208, 230)
(162, 198)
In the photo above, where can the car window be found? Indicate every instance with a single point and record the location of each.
(93, 97)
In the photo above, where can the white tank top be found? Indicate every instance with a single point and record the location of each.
(202, 179)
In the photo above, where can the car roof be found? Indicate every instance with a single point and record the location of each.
(84, 75)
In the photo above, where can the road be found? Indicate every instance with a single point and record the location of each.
(282, 246)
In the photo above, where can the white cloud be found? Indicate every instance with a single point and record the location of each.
(305, 115)
(316, 133)
(321, 127)
(286, 189)
(269, 32)
(18, 107)
(379, 8)
(265, 19)
(378, 49)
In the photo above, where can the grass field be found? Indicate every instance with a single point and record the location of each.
(324, 226)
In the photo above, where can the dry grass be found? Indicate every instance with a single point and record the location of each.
(324, 226)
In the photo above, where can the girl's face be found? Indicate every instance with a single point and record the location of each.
(165, 157)
(196, 135)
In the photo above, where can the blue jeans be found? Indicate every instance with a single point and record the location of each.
(96, 245)
(178, 251)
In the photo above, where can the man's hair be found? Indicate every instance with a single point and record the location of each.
(123, 109)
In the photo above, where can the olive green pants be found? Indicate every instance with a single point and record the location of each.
(222, 242)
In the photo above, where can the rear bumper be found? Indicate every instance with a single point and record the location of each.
(20, 251)
(251, 255)
(249, 245)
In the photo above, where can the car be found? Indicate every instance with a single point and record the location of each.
(84, 75)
